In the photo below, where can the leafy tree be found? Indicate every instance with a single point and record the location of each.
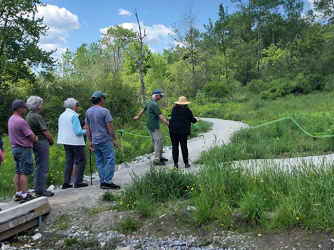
(20, 32)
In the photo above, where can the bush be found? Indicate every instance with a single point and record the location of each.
(216, 89)
(257, 85)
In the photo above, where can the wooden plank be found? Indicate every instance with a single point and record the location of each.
(18, 229)
(23, 208)
(24, 218)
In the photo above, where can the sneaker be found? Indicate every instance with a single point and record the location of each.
(163, 159)
(109, 186)
(46, 194)
(17, 197)
(80, 184)
(101, 185)
(186, 165)
(29, 197)
(155, 162)
(66, 185)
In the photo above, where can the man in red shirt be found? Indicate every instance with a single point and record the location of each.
(22, 139)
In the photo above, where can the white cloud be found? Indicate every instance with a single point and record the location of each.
(59, 20)
(122, 12)
(59, 47)
(155, 35)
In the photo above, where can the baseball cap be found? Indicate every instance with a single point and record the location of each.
(98, 94)
(19, 104)
(158, 92)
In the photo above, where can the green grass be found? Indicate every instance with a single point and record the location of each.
(128, 225)
(133, 146)
(64, 221)
(283, 139)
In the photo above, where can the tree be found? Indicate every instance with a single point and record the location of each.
(20, 32)
(188, 35)
(218, 34)
(326, 7)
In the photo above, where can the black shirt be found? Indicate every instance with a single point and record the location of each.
(180, 120)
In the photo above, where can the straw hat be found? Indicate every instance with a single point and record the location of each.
(182, 101)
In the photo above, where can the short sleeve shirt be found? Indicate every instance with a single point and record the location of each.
(37, 125)
(18, 131)
(97, 117)
(153, 111)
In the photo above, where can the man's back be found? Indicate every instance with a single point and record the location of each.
(153, 112)
(97, 117)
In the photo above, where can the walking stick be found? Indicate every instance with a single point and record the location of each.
(90, 162)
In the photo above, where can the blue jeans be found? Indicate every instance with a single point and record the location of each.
(105, 151)
(41, 152)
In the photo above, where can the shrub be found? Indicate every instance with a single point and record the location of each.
(216, 89)
(257, 85)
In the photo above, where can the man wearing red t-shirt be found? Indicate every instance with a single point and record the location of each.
(22, 139)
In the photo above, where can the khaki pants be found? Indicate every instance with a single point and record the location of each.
(157, 141)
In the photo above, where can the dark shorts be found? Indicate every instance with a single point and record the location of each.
(23, 160)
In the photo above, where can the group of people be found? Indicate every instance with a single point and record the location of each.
(34, 133)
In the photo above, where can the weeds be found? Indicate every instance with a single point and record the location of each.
(64, 221)
(108, 196)
(128, 225)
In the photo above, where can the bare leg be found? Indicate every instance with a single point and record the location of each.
(24, 183)
(17, 183)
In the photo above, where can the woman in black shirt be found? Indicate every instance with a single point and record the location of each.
(179, 129)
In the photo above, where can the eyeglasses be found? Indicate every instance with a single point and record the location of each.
(78, 105)
(103, 97)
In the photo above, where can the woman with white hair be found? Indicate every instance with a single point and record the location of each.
(71, 135)
(41, 149)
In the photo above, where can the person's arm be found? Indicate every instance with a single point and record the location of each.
(33, 138)
(140, 114)
(112, 133)
(48, 135)
(192, 118)
(77, 126)
(89, 135)
(163, 119)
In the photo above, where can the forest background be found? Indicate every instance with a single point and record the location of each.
(263, 53)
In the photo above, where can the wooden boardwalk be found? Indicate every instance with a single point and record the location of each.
(16, 217)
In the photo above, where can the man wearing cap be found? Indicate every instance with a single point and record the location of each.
(154, 116)
(102, 140)
(22, 139)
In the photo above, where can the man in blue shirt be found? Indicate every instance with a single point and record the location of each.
(101, 136)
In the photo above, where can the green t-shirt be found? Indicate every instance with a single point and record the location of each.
(153, 111)
(37, 125)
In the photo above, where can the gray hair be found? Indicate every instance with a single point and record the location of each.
(153, 96)
(35, 102)
(70, 102)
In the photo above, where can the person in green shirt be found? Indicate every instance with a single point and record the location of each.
(41, 149)
(154, 116)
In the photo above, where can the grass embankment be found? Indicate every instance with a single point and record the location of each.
(233, 196)
(314, 112)
(133, 146)
(236, 197)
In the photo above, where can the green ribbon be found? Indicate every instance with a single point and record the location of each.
(294, 121)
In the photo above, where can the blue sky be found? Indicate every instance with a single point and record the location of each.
(73, 22)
